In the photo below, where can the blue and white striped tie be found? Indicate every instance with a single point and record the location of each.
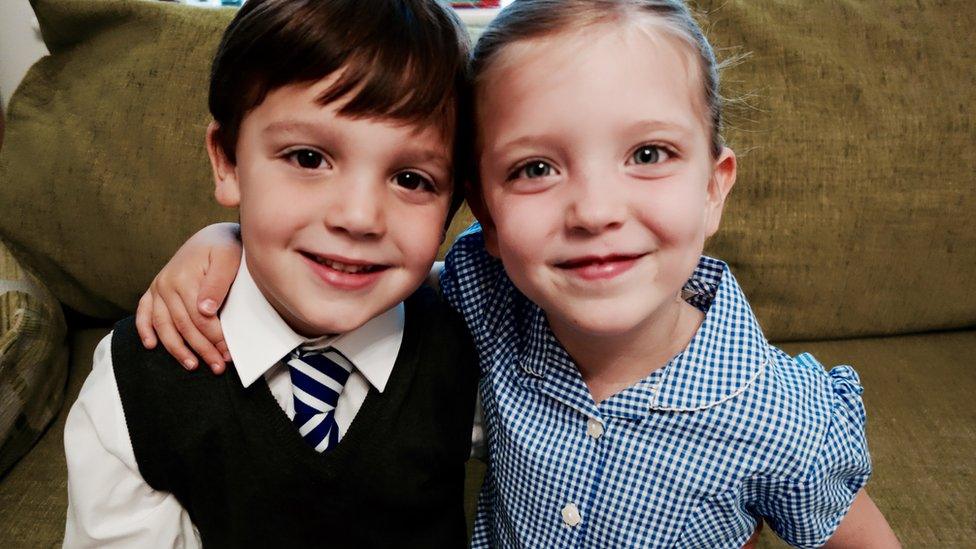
(317, 378)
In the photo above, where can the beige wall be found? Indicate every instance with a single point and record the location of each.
(20, 44)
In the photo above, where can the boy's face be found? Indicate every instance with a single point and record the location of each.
(341, 218)
(598, 185)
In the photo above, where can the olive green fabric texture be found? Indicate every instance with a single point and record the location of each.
(33, 359)
(854, 209)
(34, 495)
(104, 157)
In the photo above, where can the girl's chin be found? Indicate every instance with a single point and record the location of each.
(602, 325)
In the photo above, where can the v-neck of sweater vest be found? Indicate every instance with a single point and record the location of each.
(263, 417)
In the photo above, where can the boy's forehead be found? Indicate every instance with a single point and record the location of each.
(300, 106)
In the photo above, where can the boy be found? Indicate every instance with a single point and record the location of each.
(349, 418)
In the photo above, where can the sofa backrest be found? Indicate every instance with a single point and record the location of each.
(852, 215)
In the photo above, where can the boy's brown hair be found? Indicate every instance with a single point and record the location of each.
(403, 60)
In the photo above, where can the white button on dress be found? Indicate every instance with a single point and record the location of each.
(594, 428)
(571, 515)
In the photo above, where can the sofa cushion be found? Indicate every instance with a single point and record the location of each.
(104, 158)
(34, 494)
(853, 211)
(852, 214)
(33, 359)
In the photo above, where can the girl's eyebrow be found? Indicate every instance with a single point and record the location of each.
(523, 141)
(680, 130)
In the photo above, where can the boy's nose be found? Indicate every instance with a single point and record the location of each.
(595, 205)
(357, 210)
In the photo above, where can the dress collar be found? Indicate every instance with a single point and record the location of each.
(725, 356)
(257, 337)
(727, 353)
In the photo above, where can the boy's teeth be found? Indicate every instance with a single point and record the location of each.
(342, 267)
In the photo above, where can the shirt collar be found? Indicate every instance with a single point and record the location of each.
(725, 356)
(257, 337)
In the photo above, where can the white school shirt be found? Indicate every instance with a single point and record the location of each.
(111, 505)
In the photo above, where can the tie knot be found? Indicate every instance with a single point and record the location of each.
(314, 347)
(318, 376)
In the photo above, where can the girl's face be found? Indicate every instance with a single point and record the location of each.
(598, 185)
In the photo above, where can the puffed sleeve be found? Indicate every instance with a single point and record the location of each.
(805, 512)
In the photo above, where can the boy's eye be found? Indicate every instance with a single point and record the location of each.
(307, 158)
(413, 181)
(649, 154)
(532, 170)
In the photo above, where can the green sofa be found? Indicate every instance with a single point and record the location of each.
(852, 226)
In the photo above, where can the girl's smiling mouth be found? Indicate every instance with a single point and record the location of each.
(594, 267)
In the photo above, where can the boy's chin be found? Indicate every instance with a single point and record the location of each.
(313, 324)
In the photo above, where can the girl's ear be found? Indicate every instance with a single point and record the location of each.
(476, 202)
(719, 185)
(227, 188)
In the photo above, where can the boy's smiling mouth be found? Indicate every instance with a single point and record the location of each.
(347, 266)
(593, 267)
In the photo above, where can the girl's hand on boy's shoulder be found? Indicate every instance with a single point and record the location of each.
(180, 307)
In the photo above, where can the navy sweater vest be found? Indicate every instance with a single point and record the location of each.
(238, 465)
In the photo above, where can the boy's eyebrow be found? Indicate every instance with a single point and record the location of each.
(284, 126)
(428, 155)
(414, 154)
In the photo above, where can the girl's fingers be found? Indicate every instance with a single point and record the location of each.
(220, 274)
(144, 314)
(210, 328)
(186, 325)
(163, 323)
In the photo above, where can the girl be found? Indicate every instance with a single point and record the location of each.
(630, 398)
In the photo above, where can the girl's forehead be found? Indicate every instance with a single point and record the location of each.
(636, 35)
(638, 61)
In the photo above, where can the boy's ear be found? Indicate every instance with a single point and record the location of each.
(477, 204)
(227, 188)
(721, 182)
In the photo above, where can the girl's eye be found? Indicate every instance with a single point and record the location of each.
(308, 159)
(413, 181)
(532, 170)
(649, 154)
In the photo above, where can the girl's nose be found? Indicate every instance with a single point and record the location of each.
(596, 205)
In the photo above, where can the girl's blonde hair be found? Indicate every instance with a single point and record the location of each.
(528, 19)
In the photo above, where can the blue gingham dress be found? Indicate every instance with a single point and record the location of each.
(730, 430)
